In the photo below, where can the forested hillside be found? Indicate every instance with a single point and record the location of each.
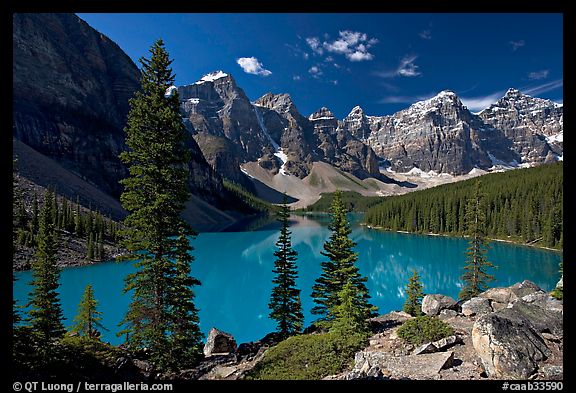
(523, 205)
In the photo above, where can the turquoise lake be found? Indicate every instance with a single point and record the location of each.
(235, 269)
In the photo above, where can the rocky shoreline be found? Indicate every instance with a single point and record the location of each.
(511, 332)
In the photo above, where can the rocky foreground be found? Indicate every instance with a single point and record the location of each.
(511, 332)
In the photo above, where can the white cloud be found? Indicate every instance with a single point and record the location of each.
(315, 71)
(476, 104)
(251, 65)
(537, 75)
(305, 55)
(296, 77)
(354, 45)
(407, 67)
(426, 34)
(314, 44)
(516, 44)
(544, 88)
(335, 82)
(405, 99)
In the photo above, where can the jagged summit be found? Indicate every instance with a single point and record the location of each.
(322, 114)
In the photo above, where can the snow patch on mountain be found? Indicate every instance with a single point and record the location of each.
(211, 77)
(277, 149)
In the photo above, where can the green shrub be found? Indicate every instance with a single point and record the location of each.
(308, 357)
(424, 329)
(557, 293)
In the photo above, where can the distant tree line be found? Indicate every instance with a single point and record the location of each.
(66, 217)
(523, 205)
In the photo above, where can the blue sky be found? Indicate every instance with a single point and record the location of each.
(382, 62)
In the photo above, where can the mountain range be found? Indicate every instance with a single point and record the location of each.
(71, 86)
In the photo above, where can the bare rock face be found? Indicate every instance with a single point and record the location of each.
(476, 306)
(71, 86)
(535, 125)
(219, 342)
(442, 135)
(433, 304)
(508, 345)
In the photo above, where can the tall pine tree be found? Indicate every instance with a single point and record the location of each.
(88, 318)
(339, 269)
(45, 315)
(414, 295)
(475, 278)
(161, 316)
(285, 304)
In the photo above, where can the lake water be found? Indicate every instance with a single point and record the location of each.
(235, 269)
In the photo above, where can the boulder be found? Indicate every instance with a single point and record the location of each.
(219, 342)
(425, 348)
(433, 304)
(251, 349)
(476, 306)
(508, 345)
(447, 314)
(447, 342)
(524, 288)
(503, 295)
(552, 372)
(545, 301)
(560, 283)
(541, 318)
(381, 365)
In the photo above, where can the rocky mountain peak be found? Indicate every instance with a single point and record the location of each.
(322, 114)
(281, 103)
(512, 92)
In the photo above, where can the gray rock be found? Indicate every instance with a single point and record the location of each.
(433, 304)
(476, 306)
(503, 295)
(447, 342)
(508, 345)
(425, 348)
(447, 314)
(525, 288)
(542, 319)
(560, 283)
(545, 301)
(219, 342)
(552, 372)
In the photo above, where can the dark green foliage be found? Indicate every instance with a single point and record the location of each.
(285, 306)
(476, 278)
(424, 329)
(162, 316)
(414, 295)
(245, 200)
(90, 248)
(352, 201)
(308, 357)
(349, 315)
(88, 318)
(46, 312)
(558, 292)
(339, 269)
(71, 358)
(523, 205)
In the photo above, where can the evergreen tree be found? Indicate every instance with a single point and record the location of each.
(88, 318)
(475, 278)
(285, 304)
(78, 218)
(414, 295)
(100, 249)
(90, 247)
(161, 316)
(46, 312)
(35, 219)
(340, 268)
(349, 316)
